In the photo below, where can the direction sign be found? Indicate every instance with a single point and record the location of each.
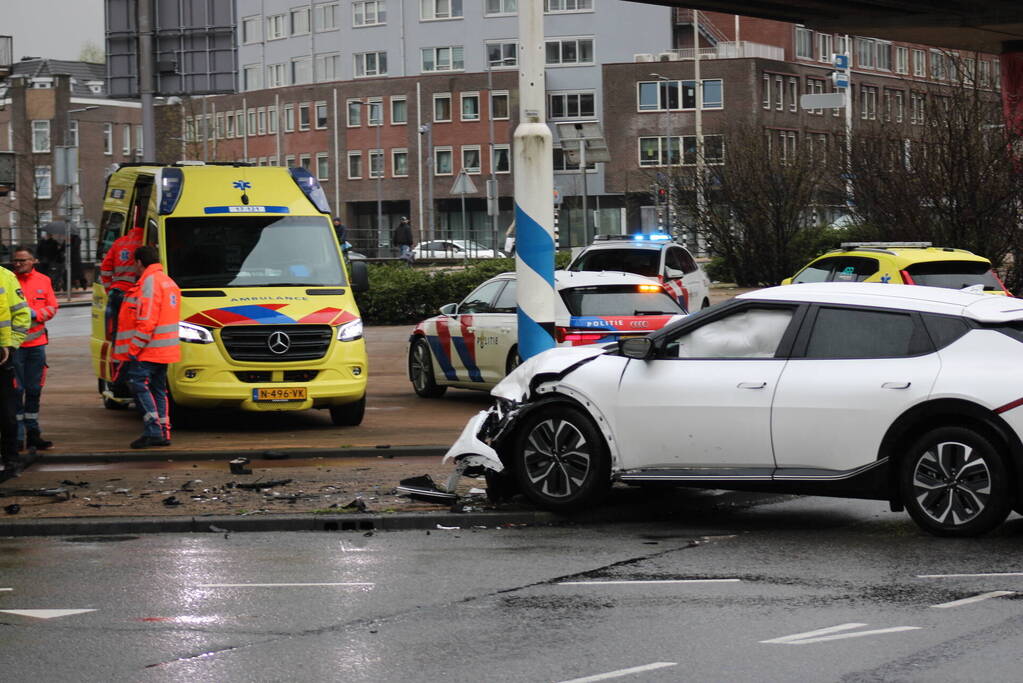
(840, 61)
(828, 100)
(463, 184)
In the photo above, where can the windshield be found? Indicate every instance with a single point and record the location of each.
(253, 251)
(954, 275)
(619, 300)
(639, 261)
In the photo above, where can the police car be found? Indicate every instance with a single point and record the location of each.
(654, 255)
(473, 344)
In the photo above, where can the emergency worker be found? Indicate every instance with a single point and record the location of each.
(30, 359)
(14, 322)
(118, 274)
(147, 339)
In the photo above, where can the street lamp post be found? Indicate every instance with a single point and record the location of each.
(379, 106)
(427, 130)
(69, 191)
(667, 119)
(701, 199)
(493, 174)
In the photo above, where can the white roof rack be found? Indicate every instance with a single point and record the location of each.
(885, 245)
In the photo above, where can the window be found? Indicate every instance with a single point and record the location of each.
(996, 74)
(804, 43)
(252, 30)
(838, 269)
(766, 102)
(442, 106)
(321, 115)
(322, 167)
(229, 124)
(376, 112)
(45, 217)
(399, 163)
(325, 16)
(938, 71)
(793, 87)
(43, 188)
(786, 150)
(275, 27)
(902, 60)
(289, 118)
(354, 165)
(300, 21)
(369, 13)
(899, 105)
(275, 76)
(40, 136)
(501, 159)
(500, 7)
(868, 102)
(916, 108)
(470, 106)
(289, 161)
(568, 162)
(261, 118)
(852, 333)
(328, 67)
(815, 86)
(354, 113)
(499, 105)
(303, 117)
(301, 70)
(985, 73)
(824, 47)
(442, 161)
(430, 10)
(653, 151)
(108, 138)
(884, 56)
(865, 48)
(713, 94)
(779, 93)
(570, 51)
(471, 159)
(554, 6)
(271, 120)
(239, 122)
(969, 71)
(442, 58)
(250, 77)
(370, 64)
(570, 105)
(751, 332)
(399, 111)
(502, 55)
(919, 63)
(252, 121)
(126, 137)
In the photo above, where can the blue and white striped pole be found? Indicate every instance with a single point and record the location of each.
(534, 191)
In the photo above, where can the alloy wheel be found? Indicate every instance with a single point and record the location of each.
(557, 457)
(952, 483)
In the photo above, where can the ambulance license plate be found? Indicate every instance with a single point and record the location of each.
(279, 394)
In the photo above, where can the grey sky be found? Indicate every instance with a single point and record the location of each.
(55, 29)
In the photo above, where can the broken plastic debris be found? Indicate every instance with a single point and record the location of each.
(476, 492)
(357, 504)
(220, 530)
(255, 486)
(238, 466)
(424, 488)
(448, 528)
(12, 509)
(171, 501)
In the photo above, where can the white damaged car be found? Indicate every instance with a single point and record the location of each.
(891, 392)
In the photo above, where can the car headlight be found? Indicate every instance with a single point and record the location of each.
(194, 334)
(350, 331)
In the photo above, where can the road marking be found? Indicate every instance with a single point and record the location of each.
(279, 585)
(5, 589)
(640, 582)
(834, 633)
(623, 672)
(46, 613)
(965, 576)
(975, 598)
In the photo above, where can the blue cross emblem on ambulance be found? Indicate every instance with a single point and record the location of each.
(242, 184)
(886, 278)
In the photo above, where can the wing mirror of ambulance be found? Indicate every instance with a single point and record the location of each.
(640, 348)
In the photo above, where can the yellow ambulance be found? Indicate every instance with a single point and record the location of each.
(268, 314)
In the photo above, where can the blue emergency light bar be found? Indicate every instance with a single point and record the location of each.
(652, 237)
(172, 181)
(310, 186)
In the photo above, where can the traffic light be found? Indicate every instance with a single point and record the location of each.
(662, 195)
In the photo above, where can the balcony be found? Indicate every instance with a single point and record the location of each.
(730, 50)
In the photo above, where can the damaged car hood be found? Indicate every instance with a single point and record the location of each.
(519, 384)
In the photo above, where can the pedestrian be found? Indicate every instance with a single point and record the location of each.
(341, 231)
(48, 252)
(14, 322)
(30, 358)
(403, 239)
(117, 273)
(147, 340)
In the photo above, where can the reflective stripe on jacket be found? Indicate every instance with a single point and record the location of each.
(42, 301)
(147, 326)
(14, 315)
(118, 268)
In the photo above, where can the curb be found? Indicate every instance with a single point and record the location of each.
(254, 454)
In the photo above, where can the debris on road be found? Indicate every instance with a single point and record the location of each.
(357, 504)
(238, 466)
(172, 500)
(259, 485)
(424, 488)
(12, 509)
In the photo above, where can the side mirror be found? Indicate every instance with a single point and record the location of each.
(787, 281)
(449, 309)
(360, 276)
(673, 273)
(640, 348)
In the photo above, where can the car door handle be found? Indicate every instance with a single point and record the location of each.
(506, 330)
(751, 385)
(896, 385)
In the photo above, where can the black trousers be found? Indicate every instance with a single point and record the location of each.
(8, 411)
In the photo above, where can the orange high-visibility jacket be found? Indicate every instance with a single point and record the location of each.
(40, 297)
(118, 268)
(147, 326)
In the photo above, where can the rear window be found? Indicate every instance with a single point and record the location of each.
(619, 300)
(954, 275)
(639, 261)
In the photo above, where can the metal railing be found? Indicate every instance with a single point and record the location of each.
(731, 50)
(685, 16)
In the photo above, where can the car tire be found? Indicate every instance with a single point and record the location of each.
(559, 460)
(500, 486)
(348, 414)
(955, 482)
(514, 361)
(420, 370)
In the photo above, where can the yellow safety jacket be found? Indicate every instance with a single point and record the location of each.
(15, 318)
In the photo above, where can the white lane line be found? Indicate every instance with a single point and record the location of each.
(975, 598)
(623, 672)
(278, 585)
(965, 576)
(5, 589)
(45, 613)
(630, 583)
(833, 633)
(811, 634)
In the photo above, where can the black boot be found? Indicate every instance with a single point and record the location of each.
(34, 440)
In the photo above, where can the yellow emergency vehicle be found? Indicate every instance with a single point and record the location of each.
(268, 314)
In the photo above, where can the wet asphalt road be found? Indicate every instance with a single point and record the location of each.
(700, 599)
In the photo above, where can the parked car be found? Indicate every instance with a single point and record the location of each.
(912, 395)
(908, 263)
(653, 255)
(437, 249)
(474, 344)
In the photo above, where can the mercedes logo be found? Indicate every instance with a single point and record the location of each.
(278, 342)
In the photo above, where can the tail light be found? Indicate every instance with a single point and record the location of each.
(567, 334)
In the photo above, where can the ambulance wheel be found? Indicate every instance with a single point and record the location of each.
(349, 414)
(420, 370)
